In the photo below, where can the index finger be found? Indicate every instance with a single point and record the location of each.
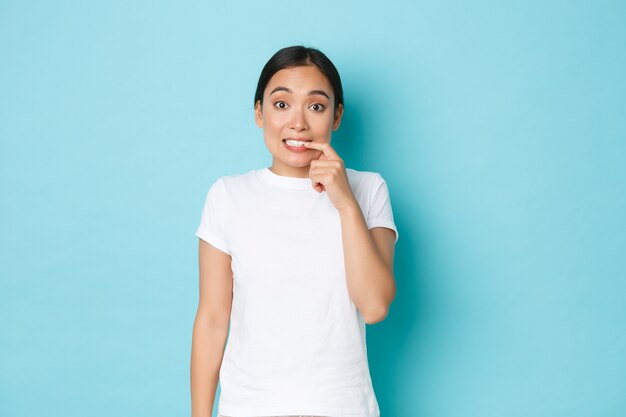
(324, 147)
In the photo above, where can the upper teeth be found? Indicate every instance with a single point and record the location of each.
(292, 142)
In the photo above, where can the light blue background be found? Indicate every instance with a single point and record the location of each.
(499, 127)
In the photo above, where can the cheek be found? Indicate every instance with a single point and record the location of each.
(272, 131)
(324, 126)
(274, 122)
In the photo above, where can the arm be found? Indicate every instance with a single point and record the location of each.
(368, 258)
(210, 329)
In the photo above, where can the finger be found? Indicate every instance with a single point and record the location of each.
(319, 187)
(317, 163)
(324, 171)
(324, 147)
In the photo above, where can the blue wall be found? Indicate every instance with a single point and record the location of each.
(499, 127)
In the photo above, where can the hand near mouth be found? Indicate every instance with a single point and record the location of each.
(328, 173)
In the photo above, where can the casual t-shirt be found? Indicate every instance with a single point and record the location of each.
(296, 344)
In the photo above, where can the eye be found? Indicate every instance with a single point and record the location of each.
(317, 107)
(280, 105)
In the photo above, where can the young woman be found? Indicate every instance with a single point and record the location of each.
(294, 259)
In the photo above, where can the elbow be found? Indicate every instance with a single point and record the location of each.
(379, 310)
(379, 313)
(376, 316)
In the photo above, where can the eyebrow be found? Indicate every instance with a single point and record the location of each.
(311, 93)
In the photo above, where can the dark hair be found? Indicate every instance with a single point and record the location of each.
(294, 56)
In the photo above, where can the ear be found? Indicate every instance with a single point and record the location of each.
(337, 117)
(258, 114)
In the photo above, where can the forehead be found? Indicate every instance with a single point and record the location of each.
(300, 79)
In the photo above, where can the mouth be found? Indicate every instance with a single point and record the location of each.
(296, 143)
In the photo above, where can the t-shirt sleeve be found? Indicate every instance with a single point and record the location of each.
(380, 213)
(212, 220)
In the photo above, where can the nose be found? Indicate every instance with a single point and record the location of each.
(298, 120)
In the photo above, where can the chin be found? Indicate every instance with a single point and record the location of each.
(295, 161)
(297, 164)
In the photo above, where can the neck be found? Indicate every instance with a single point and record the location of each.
(289, 171)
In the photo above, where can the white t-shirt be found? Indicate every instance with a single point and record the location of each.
(296, 343)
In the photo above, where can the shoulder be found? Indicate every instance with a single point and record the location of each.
(364, 180)
(228, 182)
(365, 186)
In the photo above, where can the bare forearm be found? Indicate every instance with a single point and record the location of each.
(370, 282)
(207, 352)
